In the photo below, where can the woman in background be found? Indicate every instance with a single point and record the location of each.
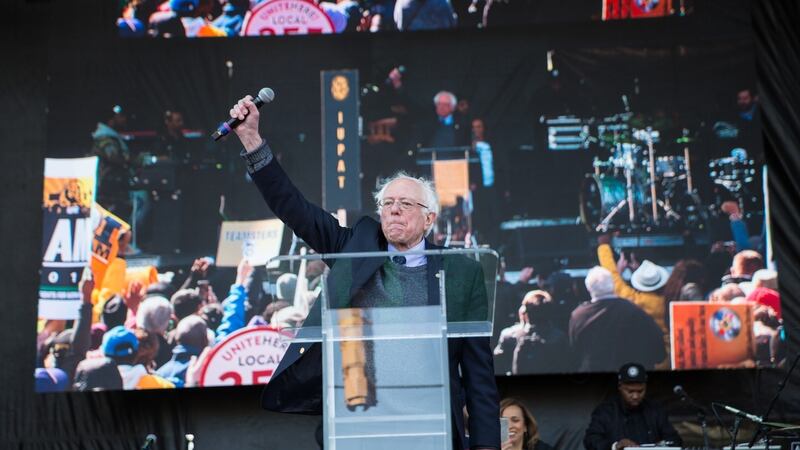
(523, 431)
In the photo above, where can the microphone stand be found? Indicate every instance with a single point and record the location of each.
(701, 416)
(762, 429)
(737, 422)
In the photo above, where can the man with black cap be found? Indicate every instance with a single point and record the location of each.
(628, 419)
(116, 162)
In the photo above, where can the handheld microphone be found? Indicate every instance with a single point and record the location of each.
(265, 95)
(149, 441)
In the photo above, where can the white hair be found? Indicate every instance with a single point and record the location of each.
(153, 314)
(285, 286)
(428, 192)
(453, 99)
(599, 282)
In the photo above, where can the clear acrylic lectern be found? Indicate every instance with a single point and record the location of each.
(384, 330)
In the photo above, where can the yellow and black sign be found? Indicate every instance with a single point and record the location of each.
(67, 198)
(341, 152)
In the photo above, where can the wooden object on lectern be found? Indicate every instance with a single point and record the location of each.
(354, 359)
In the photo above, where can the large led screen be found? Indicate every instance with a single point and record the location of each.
(621, 184)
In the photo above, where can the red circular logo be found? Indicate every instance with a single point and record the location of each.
(279, 17)
(248, 356)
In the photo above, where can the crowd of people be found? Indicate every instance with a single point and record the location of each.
(552, 323)
(562, 325)
(221, 18)
(157, 335)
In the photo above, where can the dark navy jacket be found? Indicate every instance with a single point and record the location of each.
(296, 386)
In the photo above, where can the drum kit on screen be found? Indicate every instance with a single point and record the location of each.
(637, 189)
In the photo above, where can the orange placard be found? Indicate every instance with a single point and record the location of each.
(710, 335)
(452, 180)
(146, 275)
(105, 244)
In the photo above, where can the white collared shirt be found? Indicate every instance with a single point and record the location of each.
(413, 260)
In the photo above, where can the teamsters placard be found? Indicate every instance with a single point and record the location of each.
(69, 191)
(256, 240)
(341, 153)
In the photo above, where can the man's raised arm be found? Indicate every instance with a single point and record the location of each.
(314, 225)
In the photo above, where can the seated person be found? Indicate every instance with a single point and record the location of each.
(628, 419)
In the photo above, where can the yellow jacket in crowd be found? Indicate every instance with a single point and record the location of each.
(651, 303)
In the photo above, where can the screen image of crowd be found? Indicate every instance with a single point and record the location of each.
(226, 18)
(613, 303)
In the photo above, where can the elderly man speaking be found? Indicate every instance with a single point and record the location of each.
(407, 208)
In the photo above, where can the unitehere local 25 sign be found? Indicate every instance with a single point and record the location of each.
(279, 17)
(248, 356)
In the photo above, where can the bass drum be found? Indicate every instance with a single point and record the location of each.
(600, 194)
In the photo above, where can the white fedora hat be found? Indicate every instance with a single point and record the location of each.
(649, 277)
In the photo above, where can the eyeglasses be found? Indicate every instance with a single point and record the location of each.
(404, 204)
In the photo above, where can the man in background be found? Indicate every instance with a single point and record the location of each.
(449, 128)
(628, 419)
(172, 144)
(116, 163)
(600, 330)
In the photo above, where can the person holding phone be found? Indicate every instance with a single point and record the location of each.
(522, 429)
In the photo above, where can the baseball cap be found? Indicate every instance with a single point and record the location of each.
(632, 373)
(119, 341)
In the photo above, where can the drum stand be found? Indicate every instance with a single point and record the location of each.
(652, 165)
(629, 187)
(668, 211)
(603, 226)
